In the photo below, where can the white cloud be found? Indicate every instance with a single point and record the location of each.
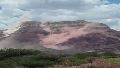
(12, 3)
(56, 10)
(61, 4)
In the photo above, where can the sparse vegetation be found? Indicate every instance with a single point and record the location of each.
(28, 58)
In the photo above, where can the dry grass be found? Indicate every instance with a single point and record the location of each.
(99, 63)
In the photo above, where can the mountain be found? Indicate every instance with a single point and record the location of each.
(70, 36)
(26, 36)
(2, 35)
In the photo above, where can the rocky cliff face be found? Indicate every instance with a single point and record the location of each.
(81, 36)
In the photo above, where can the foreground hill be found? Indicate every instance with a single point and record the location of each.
(69, 36)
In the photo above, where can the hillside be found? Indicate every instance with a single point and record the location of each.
(69, 36)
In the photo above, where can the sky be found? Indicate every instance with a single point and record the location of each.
(12, 12)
